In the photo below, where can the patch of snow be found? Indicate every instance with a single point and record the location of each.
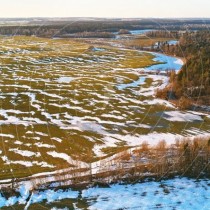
(64, 79)
(177, 116)
(7, 135)
(25, 153)
(67, 158)
(158, 101)
(39, 144)
(57, 139)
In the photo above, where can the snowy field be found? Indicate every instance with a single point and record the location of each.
(178, 193)
(62, 101)
(172, 194)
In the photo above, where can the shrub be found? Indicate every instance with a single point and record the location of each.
(184, 103)
(162, 93)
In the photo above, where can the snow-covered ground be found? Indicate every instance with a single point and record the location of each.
(178, 116)
(178, 193)
(64, 80)
(172, 194)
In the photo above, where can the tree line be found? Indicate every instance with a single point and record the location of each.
(49, 28)
(192, 83)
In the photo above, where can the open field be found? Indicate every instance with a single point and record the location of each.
(65, 100)
(144, 41)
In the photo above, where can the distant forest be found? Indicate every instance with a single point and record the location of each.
(49, 28)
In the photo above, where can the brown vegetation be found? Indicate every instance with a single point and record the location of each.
(186, 157)
(184, 103)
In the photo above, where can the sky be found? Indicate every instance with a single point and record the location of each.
(105, 8)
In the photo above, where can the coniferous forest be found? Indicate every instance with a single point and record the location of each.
(193, 80)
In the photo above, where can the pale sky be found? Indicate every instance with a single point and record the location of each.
(105, 8)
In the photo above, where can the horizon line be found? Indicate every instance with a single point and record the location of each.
(62, 17)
